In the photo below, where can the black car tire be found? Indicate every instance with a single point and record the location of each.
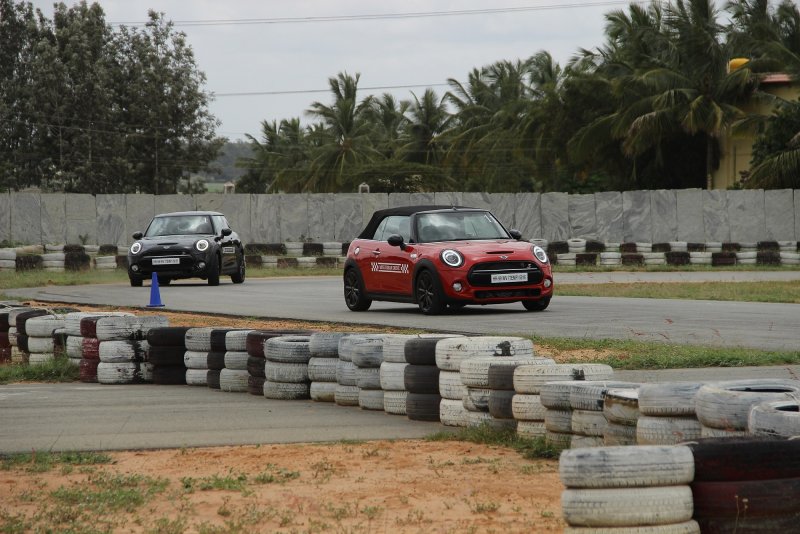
(213, 272)
(429, 294)
(135, 281)
(536, 305)
(238, 277)
(354, 294)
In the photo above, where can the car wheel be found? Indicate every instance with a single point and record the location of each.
(135, 281)
(429, 295)
(238, 278)
(213, 272)
(536, 305)
(354, 295)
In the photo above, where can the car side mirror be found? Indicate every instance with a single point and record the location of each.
(137, 235)
(226, 232)
(516, 234)
(396, 240)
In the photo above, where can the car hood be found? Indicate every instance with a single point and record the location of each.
(174, 239)
(486, 247)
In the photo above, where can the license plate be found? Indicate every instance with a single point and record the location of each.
(228, 250)
(166, 261)
(512, 277)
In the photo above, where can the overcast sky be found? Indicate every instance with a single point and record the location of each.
(281, 56)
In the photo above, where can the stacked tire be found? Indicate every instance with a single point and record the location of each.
(723, 408)
(5, 345)
(421, 379)
(254, 344)
(746, 484)
(286, 368)
(43, 333)
(18, 342)
(122, 348)
(621, 410)
(234, 377)
(216, 356)
(85, 348)
(195, 359)
(667, 414)
(347, 390)
(529, 409)
(366, 353)
(166, 351)
(628, 489)
(324, 350)
(23, 340)
(588, 422)
(392, 374)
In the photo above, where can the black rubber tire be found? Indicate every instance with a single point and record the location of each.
(428, 293)
(746, 498)
(167, 356)
(423, 407)
(218, 338)
(354, 293)
(135, 281)
(169, 375)
(536, 305)
(255, 366)
(746, 525)
(212, 378)
(213, 272)
(500, 404)
(422, 351)
(756, 458)
(255, 385)
(423, 379)
(240, 274)
(167, 336)
(216, 360)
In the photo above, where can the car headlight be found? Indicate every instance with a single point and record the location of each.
(453, 258)
(539, 252)
(201, 245)
(136, 248)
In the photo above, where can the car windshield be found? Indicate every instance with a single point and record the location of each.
(180, 225)
(457, 226)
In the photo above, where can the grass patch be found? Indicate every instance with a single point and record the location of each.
(39, 462)
(505, 437)
(57, 370)
(230, 482)
(788, 292)
(622, 354)
(104, 493)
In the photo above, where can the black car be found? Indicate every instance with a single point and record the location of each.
(186, 244)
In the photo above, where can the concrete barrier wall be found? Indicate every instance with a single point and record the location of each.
(692, 215)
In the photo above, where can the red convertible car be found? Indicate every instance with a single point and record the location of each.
(440, 257)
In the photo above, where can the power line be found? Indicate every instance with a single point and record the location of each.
(310, 91)
(386, 16)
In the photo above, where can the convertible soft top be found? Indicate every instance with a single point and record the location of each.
(378, 216)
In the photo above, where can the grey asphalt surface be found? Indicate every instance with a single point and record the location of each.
(65, 417)
(712, 323)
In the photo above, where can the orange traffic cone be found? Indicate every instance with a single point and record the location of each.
(155, 294)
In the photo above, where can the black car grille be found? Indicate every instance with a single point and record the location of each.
(480, 275)
(159, 252)
(507, 293)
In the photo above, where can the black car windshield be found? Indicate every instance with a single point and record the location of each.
(180, 225)
(458, 226)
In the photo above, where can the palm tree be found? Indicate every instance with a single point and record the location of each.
(344, 141)
(389, 120)
(427, 119)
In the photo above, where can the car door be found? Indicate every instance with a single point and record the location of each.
(393, 265)
(227, 245)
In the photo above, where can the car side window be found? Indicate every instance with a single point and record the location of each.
(395, 224)
(378, 236)
(219, 223)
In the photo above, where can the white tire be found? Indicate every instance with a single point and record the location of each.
(588, 423)
(558, 420)
(123, 328)
(325, 344)
(198, 339)
(368, 378)
(367, 352)
(123, 351)
(453, 413)
(627, 467)
(616, 434)
(196, 377)
(627, 507)
(450, 386)
(477, 399)
(668, 398)
(555, 395)
(322, 369)
(346, 344)
(476, 419)
(40, 345)
(621, 406)
(39, 358)
(585, 442)
(119, 373)
(323, 391)
(43, 326)
(286, 390)
(236, 359)
(589, 395)
(775, 418)
(727, 405)
(294, 373)
(287, 349)
(530, 378)
(689, 527)
(346, 373)
(708, 432)
(195, 360)
(452, 351)
(528, 408)
(370, 399)
(531, 429)
(394, 402)
(74, 347)
(666, 430)
(346, 395)
(475, 371)
(233, 380)
(72, 320)
(8, 254)
(391, 376)
(558, 440)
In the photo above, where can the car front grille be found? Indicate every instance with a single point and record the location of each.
(480, 275)
(507, 293)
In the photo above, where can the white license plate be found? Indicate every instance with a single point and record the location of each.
(228, 250)
(166, 261)
(512, 277)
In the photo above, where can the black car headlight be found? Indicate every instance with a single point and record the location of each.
(201, 245)
(136, 248)
(539, 252)
(452, 258)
